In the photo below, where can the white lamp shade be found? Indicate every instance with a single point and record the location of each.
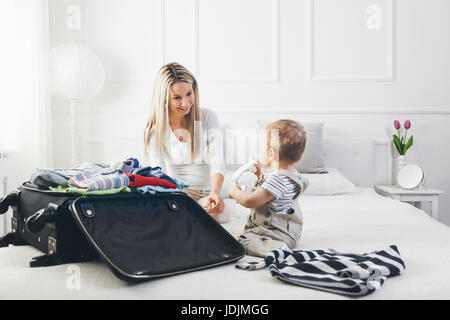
(76, 72)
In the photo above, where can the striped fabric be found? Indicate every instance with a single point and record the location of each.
(105, 180)
(283, 189)
(343, 273)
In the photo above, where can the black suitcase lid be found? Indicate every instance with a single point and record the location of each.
(147, 236)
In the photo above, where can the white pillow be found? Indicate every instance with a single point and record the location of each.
(328, 184)
(312, 160)
(323, 184)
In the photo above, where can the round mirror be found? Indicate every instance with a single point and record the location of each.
(410, 176)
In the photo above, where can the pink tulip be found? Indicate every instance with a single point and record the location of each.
(407, 124)
(397, 124)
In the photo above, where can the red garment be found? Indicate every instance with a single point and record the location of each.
(137, 180)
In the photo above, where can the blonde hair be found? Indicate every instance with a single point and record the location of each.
(159, 110)
(290, 142)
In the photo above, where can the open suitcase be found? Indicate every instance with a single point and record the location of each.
(139, 237)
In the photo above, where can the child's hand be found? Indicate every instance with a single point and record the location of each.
(258, 167)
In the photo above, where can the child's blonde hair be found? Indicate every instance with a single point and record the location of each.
(288, 137)
(159, 114)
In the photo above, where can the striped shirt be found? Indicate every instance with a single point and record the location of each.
(328, 270)
(284, 191)
(104, 180)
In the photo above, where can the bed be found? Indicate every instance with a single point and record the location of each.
(357, 222)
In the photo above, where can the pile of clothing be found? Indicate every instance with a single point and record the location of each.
(94, 178)
(351, 274)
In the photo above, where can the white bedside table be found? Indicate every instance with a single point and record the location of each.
(416, 196)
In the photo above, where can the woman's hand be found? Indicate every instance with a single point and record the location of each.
(215, 203)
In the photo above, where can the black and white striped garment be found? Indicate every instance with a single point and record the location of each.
(329, 270)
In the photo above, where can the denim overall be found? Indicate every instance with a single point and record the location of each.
(266, 231)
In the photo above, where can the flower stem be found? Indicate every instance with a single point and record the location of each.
(406, 133)
(401, 142)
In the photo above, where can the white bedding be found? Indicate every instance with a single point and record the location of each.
(358, 222)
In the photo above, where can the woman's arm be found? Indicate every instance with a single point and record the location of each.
(215, 202)
(250, 200)
(215, 159)
(216, 183)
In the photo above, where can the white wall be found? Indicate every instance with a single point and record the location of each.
(25, 126)
(337, 62)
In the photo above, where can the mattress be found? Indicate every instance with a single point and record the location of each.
(359, 223)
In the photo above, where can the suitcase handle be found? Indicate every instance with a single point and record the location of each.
(36, 222)
(11, 200)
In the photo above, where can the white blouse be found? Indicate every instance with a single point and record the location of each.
(176, 160)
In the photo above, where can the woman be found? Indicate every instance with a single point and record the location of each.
(182, 139)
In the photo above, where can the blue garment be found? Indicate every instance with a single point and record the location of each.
(151, 189)
(127, 165)
(149, 172)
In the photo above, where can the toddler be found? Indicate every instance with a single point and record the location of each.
(275, 218)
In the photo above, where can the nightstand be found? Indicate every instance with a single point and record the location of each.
(414, 196)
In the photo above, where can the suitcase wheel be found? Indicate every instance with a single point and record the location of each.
(36, 222)
(11, 200)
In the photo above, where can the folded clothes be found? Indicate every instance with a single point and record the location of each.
(84, 192)
(328, 270)
(105, 180)
(137, 180)
(45, 178)
(93, 176)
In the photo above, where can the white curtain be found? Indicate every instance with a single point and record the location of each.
(25, 112)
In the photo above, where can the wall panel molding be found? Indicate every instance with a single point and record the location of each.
(276, 63)
(255, 110)
(390, 52)
(118, 78)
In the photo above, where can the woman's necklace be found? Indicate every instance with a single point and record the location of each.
(181, 126)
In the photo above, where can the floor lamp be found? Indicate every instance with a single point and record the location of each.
(76, 74)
